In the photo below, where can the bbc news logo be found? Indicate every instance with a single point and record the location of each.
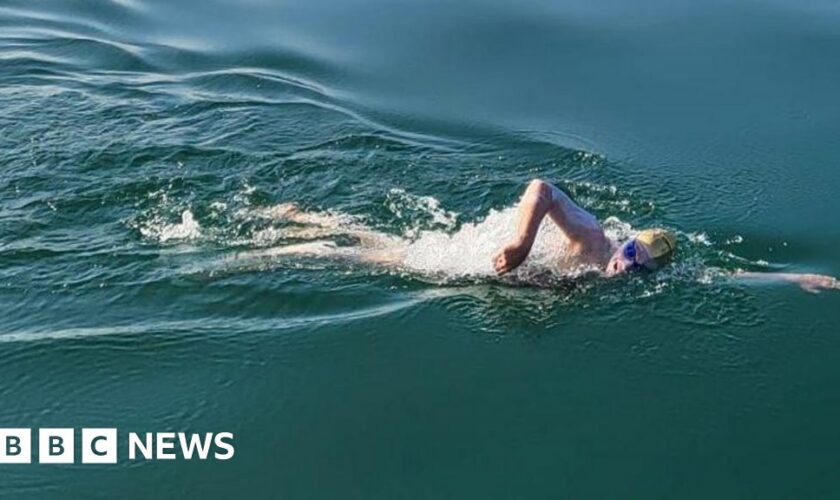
(100, 446)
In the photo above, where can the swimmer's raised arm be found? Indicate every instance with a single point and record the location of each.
(812, 283)
(540, 198)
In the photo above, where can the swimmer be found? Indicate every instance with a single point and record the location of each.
(586, 244)
(650, 249)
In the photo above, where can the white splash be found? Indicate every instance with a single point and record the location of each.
(700, 238)
(469, 251)
(187, 229)
(415, 208)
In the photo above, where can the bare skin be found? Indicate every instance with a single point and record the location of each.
(811, 283)
(587, 239)
(373, 247)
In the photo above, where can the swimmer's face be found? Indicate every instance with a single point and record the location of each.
(630, 255)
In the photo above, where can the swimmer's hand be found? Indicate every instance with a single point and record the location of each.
(510, 256)
(811, 283)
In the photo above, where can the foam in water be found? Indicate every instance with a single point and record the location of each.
(417, 210)
(700, 238)
(469, 251)
(187, 229)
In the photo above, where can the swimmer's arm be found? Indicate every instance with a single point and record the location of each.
(577, 224)
(537, 201)
(812, 283)
(535, 204)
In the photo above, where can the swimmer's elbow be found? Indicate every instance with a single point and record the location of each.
(537, 184)
(540, 190)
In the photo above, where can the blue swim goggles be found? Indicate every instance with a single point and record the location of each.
(630, 253)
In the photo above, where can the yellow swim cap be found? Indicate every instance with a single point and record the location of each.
(660, 243)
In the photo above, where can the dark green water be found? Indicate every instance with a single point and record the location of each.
(145, 144)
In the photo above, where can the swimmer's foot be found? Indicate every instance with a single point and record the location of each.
(510, 256)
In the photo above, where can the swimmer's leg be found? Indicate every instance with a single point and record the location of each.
(390, 256)
(314, 248)
(331, 224)
(293, 213)
(308, 225)
(371, 246)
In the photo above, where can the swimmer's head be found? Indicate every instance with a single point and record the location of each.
(650, 249)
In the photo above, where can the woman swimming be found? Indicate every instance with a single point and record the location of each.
(650, 249)
(585, 245)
